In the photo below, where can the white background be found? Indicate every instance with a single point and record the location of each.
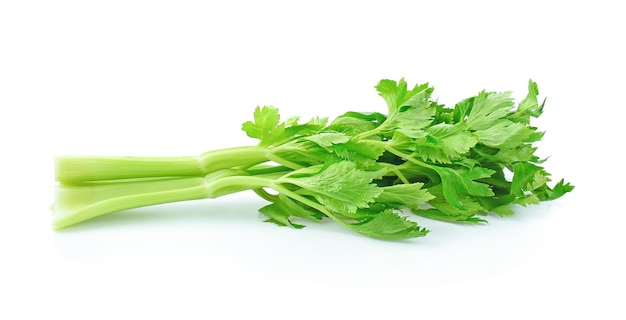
(179, 78)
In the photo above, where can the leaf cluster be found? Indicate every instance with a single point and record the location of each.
(365, 170)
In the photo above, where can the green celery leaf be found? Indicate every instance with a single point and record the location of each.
(527, 177)
(396, 94)
(364, 213)
(351, 125)
(393, 92)
(270, 131)
(415, 118)
(404, 143)
(504, 134)
(546, 193)
(404, 195)
(527, 200)
(487, 108)
(265, 126)
(327, 139)
(304, 152)
(339, 186)
(278, 213)
(291, 130)
(444, 142)
(298, 209)
(497, 201)
(457, 184)
(443, 114)
(462, 109)
(265, 119)
(364, 152)
(410, 120)
(411, 134)
(535, 136)
(525, 152)
(503, 211)
(387, 225)
(416, 173)
(375, 118)
(444, 211)
(443, 214)
(529, 106)
(295, 129)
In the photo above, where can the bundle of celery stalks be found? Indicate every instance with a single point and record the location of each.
(371, 172)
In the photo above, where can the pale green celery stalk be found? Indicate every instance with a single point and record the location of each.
(74, 204)
(77, 169)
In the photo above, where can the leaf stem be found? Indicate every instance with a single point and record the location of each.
(308, 202)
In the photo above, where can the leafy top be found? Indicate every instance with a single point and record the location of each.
(449, 164)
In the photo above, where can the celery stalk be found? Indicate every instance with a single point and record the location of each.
(76, 169)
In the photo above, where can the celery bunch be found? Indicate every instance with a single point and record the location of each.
(362, 170)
